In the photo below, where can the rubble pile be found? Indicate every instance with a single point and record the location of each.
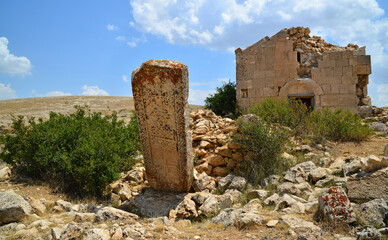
(310, 49)
(214, 154)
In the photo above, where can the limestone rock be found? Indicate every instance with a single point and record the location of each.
(318, 173)
(374, 213)
(63, 205)
(272, 223)
(224, 182)
(74, 230)
(5, 173)
(13, 208)
(271, 180)
(215, 203)
(235, 193)
(203, 182)
(249, 219)
(365, 187)
(238, 183)
(107, 214)
(96, 234)
(295, 222)
(372, 163)
(224, 151)
(386, 150)
(220, 171)
(227, 217)
(37, 206)
(260, 194)
(186, 209)
(334, 205)
(290, 205)
(294, 188)
(299, 173)
(204, 167)
(200, 197)
(272, 200)
(216, 160)
(369, 233)
(85, 217)
(353, 167)
(252, 206)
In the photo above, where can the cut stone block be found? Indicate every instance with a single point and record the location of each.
(160, 90)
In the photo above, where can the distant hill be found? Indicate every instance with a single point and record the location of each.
(42, 106)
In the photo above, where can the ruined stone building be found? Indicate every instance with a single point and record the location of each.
(293, 65)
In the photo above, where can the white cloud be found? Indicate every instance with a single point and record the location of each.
(111, 27)
(126, 79)
(93, 91)
(12, 64)
(227, 24)
(6, 92)
(198, 97)
(120, 38)
(57, 94)
(132, 43)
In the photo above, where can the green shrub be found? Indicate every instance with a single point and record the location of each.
(80, 152)
(223, 102)
(338, 125)
(291, 114)
(319, 125)
(264, 146)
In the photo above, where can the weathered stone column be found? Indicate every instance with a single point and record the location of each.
(160, 89)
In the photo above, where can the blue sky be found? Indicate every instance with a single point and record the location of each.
(90, 47)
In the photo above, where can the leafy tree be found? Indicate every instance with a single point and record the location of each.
(223, 102)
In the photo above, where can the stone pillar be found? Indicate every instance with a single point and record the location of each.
(160, 90)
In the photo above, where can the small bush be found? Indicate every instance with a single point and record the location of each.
(80, 153)
(319, 125)
(223, 102)
(264, 146)
(338, 125)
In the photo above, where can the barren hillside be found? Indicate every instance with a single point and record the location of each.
(41, 107)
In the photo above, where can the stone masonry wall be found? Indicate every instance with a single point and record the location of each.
(291, 63)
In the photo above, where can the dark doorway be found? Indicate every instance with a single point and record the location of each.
(306, 100)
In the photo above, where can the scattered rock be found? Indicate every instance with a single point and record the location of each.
(37, 206)
(319, 173)
(272, 200)
(224, 182)
(220, 171)
(369, 186)
(369, 233)
(13, 208)
(96, 234)
(290, 205)
(186, 209)
(294, 188)
(271, 180)
(203, 182)
(249, 219)
(260, 194)
(84, 217)
(374, 213)
(106, 214)
(295, 222)
(372, 163)
(63, 205)
(272, 223)
(5, 173)
(227, 217)
(238, 183)
(299, 173)
(334, 205)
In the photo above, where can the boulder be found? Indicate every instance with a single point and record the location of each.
(290, 205)
(252, 206)
(220, 171)
(227, 217)
(271, 180)
(369, 186)
(215, 203)
(37, 206)
(352, 167)
(186, 209)
(372, 163)
(249, 219)
(200, 197)
(260, 194)
(203, 182)
(365, 111)
(84, 217)
(224, 182)
(96, 234)
(74, 230)
(63, 205)
(299, 173)
(318, 173)
(224, 151)
(272, 200)
(294, 188)
(204, 167)
(5, 173)
(13, 207)
(238, 183)
(294, 222)
(374, 213)
(334, 205)
(110, 214)
(369, 233)
(216, 160)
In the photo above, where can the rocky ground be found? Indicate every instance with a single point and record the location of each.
(339, 192)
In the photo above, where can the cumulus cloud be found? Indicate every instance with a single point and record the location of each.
(227, 24)
(120, 38)
(10, 63)
(57, 94)
(197, 97)
(111, 27)
(6, 92)
(93, 91)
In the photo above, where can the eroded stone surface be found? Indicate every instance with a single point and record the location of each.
(160, 90)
